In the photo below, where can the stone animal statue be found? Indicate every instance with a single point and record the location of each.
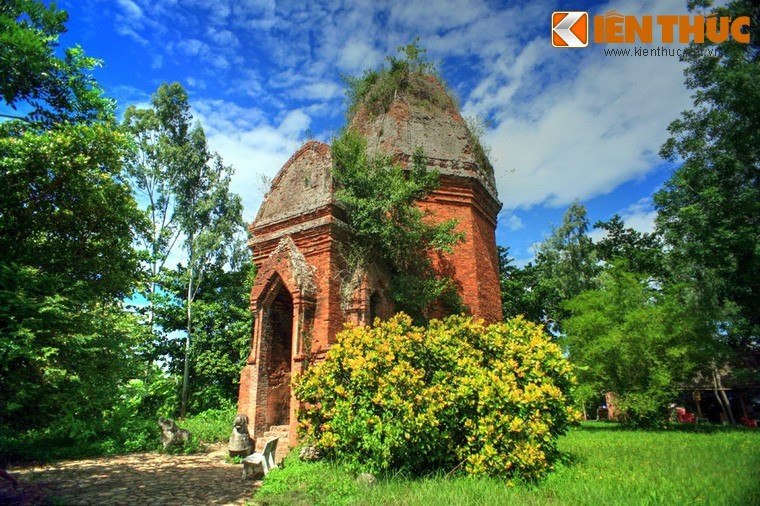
(241, 443)
(171, 434)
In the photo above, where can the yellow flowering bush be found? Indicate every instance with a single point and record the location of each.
(486, 399)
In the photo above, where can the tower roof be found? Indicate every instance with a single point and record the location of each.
(424, 115)
(303, 184)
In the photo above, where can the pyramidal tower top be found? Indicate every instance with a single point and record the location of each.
(419, 112)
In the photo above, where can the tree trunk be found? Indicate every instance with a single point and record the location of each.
(717, 395)
(189, 328)
(726, 401)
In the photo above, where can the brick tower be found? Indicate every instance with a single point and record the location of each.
(467, 190)
(301, 296)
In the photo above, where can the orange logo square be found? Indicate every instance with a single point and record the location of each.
(569, 29)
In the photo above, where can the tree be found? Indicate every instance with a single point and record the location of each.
(642, 251)
(381, 201)
(160, 134)
(221, 330)
(637, 340)
(51, 89)
(187, 199)
(67, 222)
(520, 289)
(709, 210)
(567, 264)
(210, 219)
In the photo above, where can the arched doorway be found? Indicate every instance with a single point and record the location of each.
(374, 307)
(278, 360)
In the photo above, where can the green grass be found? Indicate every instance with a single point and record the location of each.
(605, 464)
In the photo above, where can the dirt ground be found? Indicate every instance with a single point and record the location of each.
(137, 478)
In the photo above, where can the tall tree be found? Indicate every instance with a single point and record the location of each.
(521, 292)
(568, 264)
(187, 198)
(67, 222)
(161, 134)
(637, 340)
(210, 218)
(709, 210)
(221, 330)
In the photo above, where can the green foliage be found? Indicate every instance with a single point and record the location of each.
(380, 199)
(221, 332)
(159, 134)
(187, 191)
(304, 483)
(52, 89)
(642, 251)
(212, 425)
(567, 264)
(520, 289)
(637, 340)
(708, 210)
(395, 397)
(411, 74)
(606, 464)
(66, 209)
(67, 220)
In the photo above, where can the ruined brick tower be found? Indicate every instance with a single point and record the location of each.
(299, 300)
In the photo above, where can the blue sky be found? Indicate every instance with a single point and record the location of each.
(262, 76)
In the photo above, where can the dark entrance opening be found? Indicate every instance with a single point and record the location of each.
(374, 307)
(278, 365)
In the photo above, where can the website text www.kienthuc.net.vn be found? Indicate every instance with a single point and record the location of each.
(661, 51)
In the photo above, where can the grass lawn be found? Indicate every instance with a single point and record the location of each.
(607, 464)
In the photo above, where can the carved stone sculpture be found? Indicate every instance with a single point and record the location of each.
(171, 434)
(240, 441)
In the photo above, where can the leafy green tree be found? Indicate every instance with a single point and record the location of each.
(709, 210)
(210, 219)
(567, 264)
(520, 289)
(381, 201)
(67, 222)
(642, 342)
(221, 331)
(161, 134)
(188, 202)
(642, 251)
(43, 87)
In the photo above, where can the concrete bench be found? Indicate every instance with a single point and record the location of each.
(264, 459)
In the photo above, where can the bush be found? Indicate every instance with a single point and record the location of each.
(486, 399)
(212, 425)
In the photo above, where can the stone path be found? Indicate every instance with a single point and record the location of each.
(138, 478)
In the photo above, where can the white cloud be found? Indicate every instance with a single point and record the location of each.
(514, 223)
(248, 142)
(640, 216)
(567, 123)
(130, 9)
(591, 124)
